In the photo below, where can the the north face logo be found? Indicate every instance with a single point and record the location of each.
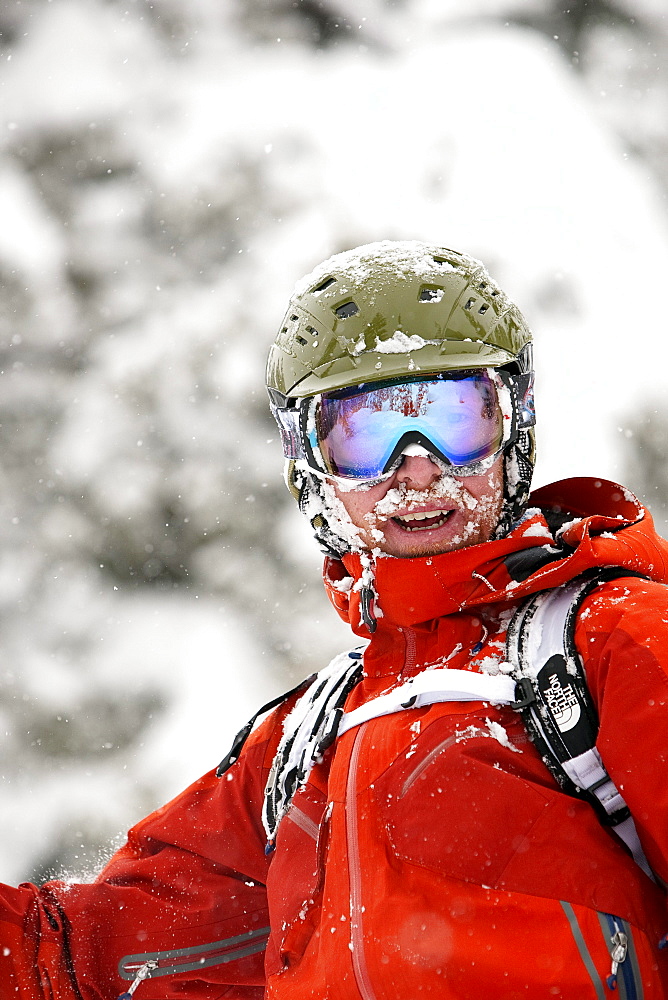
(563, 704)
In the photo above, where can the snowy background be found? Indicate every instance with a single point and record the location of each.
(168, 169)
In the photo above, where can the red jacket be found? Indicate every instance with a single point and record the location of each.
(430, 852)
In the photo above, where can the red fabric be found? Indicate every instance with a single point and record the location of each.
(430, 852)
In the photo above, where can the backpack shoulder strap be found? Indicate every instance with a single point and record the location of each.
(308, 730)
(556, 705)
(232, 756)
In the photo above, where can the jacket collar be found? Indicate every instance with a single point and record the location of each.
(571, 526)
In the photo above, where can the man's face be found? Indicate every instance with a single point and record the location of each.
(421, 510)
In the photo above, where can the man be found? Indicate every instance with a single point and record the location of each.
(362, 842)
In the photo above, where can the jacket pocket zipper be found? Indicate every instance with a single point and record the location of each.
(619, 938)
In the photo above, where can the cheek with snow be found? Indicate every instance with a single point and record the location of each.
(326, 504)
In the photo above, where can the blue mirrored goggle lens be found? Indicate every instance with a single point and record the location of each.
(356, 434)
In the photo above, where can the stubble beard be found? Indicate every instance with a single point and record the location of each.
(484, 514)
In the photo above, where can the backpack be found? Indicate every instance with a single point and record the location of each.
(546, 685)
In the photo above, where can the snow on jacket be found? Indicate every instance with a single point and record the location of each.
(430, 852)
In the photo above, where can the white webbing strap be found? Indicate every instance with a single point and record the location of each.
(431, 686)
(626, 831)
(587, 772)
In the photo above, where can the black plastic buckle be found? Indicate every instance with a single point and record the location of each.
(524, 694)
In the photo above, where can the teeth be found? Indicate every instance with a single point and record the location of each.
(411, 522)
(423, 515)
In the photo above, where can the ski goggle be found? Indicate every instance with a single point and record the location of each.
(465, 419)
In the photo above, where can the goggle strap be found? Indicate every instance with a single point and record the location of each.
(288, 421)
(522, 389)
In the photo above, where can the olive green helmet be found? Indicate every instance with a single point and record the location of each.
(393, 309)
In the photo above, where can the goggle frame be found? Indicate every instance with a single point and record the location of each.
(296, 417)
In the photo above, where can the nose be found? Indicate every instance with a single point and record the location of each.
(418, 472)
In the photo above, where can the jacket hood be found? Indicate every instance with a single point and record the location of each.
(570, 527)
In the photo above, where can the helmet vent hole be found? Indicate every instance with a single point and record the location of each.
(347, 309)
(324, 285)
(302, 341)
(444, 262)
(312, 331)
(483, 308)
(293, 318)
(469, 304)
(431, 293)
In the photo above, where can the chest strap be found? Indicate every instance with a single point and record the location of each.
(431, 686)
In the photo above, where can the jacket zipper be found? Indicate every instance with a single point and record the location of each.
(357, 950)
(168, 963)
(144, 972)
(355, 875)
(620, 939)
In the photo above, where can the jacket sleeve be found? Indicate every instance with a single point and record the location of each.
(622, 636)
(186, 893)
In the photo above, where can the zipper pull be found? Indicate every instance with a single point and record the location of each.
(620, 947)
(143, 973)
(366, 608)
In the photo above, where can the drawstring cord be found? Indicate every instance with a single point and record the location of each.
(143, 973)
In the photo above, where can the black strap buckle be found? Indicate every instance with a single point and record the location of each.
(524, 694)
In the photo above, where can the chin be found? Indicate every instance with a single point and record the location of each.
(417, 549)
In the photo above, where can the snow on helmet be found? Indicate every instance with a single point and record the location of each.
(395, 308)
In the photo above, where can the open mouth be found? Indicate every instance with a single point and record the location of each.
(423, 521)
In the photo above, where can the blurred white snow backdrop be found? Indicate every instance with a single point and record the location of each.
(168, 169)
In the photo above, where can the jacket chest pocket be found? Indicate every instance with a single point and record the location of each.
(295, 876)
(461, 802)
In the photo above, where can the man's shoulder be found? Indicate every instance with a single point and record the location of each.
(621, 596)
(624, 620)
(293, 710)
